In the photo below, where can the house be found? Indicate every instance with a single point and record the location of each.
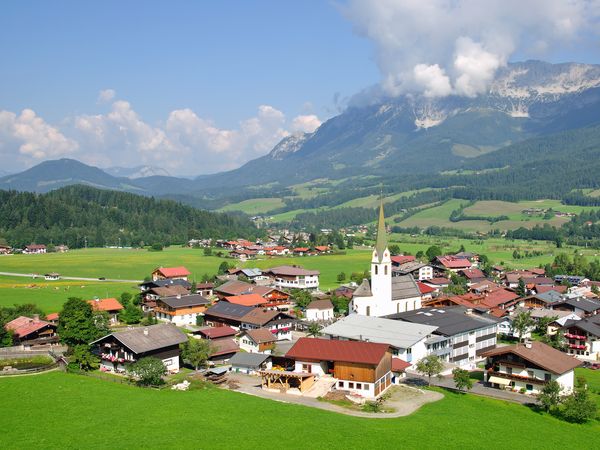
(582, 306)
(437, 283)
(250, 363)
(472, 257)
(226, 314)
(472, 275)
(164, 282)
(258, 340)
(420, 271)
(301, 251)
(469, 335)
(319, 310)
(166, 291)
(401, 259)
(399, 370)
(505, 328)
(407, 341)
(528, 367)
(214, 333)
(243, 254)
(52, 318)
(252, 274)
(247, 300)
(583, 338)
(171, 273)
(5, 249)
(222, 350)
(118, 350)
(362, 368)
(277, 322)
(230, 288)
(32, 332)
(181, 309)
(52, 276)
(322, 249)
(34, 249)
(293, 277)
(204, 289)
(452, 263)
(111, 306)
(61, 248)
(426, 291)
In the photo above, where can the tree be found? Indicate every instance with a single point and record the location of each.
(223, 268)
(433, 252)
(521, 288)
(341, 277)
(193, 287)
(314, 330)
(521, 323)
(131, 314)
(156, 247)
(394, 249)
(549, 397)
(126, 298)
(77, 323)
(148, 371)
(301, 297)
(83, 358)
(542, 324)
(207, 251)
(195, 352)
(462, 379)
(579, 407)
(340, 303)
(431, 366)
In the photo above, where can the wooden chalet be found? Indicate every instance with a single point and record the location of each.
(32, 332)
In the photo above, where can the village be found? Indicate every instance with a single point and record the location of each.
(509, 334)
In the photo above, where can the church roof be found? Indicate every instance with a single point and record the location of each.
(381, 243)
(404, 286)
(364, 290)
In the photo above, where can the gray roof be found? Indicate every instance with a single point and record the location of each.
(586, 325)
(183, 301)
(585, 304)
(146, 339)
(404, 286)
(364, 290)
(252, 272)
(379, 330)
(537, 313)
(449, 320)
(549, 296)
(251, 360)
(228, 310)
(410, 266)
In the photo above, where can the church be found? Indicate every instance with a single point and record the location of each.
(385, 294)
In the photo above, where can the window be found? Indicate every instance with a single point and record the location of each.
(358, 386)
(376, 269)
(340, 384)
(529, 387)
(547, 377)
(509, 370)
(530, 373)
(350, 385)
(365, 387)
(385, 270)
(368, 310)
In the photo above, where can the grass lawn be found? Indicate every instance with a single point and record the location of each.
(81, 412)
(255, 206)
(50, 295)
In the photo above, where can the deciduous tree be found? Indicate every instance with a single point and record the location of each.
(148, 371)
(195, 352)
(431, 366)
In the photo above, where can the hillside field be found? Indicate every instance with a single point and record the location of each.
(83, 412)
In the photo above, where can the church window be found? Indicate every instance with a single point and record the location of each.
(385, 270)
(368, 310)
(376, 269)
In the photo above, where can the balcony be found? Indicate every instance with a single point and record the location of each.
(577, 346)
(513, 377)
(575, 336)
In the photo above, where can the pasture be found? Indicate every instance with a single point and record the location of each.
(83, 412)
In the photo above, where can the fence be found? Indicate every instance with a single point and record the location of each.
(28, 371)
(21, 351)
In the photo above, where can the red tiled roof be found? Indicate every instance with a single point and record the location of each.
(401, 259)
(246, 300)
(333, 350)
(438, 281)
(454, 263)
(424, 288)
(321, 248)
(170, 272)
(541, 289)
(52, 316)
(217, 332)
(106, 304)
(472, 273)
(301, 249)
(23, 326)
(399, 365)
(499, 297)
(223, 347)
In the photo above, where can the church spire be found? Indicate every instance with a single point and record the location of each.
(381, 243)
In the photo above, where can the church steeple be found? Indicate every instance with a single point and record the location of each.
(381, 243)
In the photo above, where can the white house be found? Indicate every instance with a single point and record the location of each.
(385, 294)
(293, 277)
(528, 367)
(418, 270)
(319, 310)
(258, 340)
(583, 339)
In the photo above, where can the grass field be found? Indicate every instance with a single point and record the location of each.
(50, 295)
(255, 206)
(58, 410)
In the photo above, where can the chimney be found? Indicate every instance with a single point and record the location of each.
(528, 344)
(36, 317)
(146, 331)
(178, 296)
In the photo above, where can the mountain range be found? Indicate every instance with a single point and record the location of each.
(410, 136)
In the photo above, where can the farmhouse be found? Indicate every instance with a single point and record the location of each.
(384, 294)
(452, 263)
(319, 310)
(226, 314)
(34, 249)
(258, 340)
(118, 350)
(109, 305)
(52, 276)
(164, 282)
(247, 300)
(250, 363)
(293, 277)
(363, 368)
(276, 297)
(469, 335)
(5, 249)
(529, 367)
(408, 341)
(170, 273)
(32, 332)
(215, 333)
(277, 322)
(180, 309)
(420, 271)
(583, 338)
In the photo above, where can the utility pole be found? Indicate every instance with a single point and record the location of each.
(85, 241)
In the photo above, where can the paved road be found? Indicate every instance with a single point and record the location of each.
(36, 276)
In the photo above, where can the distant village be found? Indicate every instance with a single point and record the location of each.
(521, 327)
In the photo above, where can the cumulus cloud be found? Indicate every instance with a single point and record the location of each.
(439, 47)
(28, 138)
(106, 95)
(185, 143)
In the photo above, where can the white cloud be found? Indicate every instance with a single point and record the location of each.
(427, 45)
(27, 138)
(305, 123)
(106, 95)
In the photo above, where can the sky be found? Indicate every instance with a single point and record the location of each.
(200, 87)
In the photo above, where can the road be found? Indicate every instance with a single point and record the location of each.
(31, 275)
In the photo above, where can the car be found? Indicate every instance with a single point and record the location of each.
(102, 278)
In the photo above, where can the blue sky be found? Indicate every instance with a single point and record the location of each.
(220, 58)
(204, 86)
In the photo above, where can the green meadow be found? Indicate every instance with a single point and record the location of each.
(58, 410)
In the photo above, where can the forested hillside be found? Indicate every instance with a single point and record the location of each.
(75, 213)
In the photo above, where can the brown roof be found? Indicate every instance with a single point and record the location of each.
(223, 347)
(261, 335)
(247, 299)
(541, 355)
(259, 316)
(106, 304)
(291, 271)
(334, 350)
(23, 326)
(216, 332)
(169, 291)
(320, 304)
